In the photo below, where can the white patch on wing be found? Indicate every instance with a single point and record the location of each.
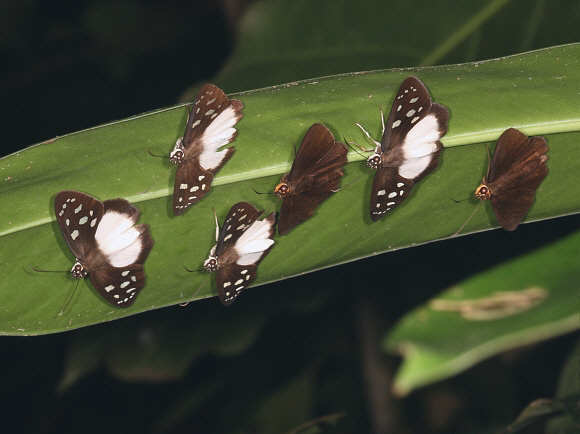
(118, 239)
(414, 167)
(418, 146)
(253, 242)
(220, 132)
(420, 141)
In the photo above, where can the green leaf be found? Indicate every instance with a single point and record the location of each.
(536, 92)
(437, 344)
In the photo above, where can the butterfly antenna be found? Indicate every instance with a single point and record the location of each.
(351, 147)
(158, 181)
(193, 297)
(192, 271)
(71, 297)
(461, 200)
(259, 192)
(344, 186)
(472, 214)
(155, 155)
(47, 271)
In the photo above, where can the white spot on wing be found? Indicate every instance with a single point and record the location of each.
(381, 193)
(396, 124)
(391, 195)
(83, 220)
(183, 186)
(74, 234)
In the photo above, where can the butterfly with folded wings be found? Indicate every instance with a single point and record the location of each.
(410, 146)
(107, 244)
(516, 170)
(314, 176)
(242, 243)
(210, 126)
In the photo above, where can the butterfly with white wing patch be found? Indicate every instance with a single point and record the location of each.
(410, 146)
(210, 126)
(106, 243)
(241, 245)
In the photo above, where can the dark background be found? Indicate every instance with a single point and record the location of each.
(71, 65)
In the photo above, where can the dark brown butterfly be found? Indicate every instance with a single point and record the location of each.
(241, 244)
(314, 176)
(516, 170)
(209, 127)
(410, 147)
(106, 243)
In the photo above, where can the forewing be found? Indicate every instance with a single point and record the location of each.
(412, 103)
(388, 191)
(119, 286)
(231, 280)
(78, 216)
(192, 182)
(210, 126)
(239, 218)
(513, 153)
(319, 153)
(208, 98)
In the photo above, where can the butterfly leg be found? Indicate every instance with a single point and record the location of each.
(369, 137)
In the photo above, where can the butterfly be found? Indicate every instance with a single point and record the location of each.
(210, 126)
(516, 170)
(242, 243)
(106, 243)
(314, 176)
(410, 146)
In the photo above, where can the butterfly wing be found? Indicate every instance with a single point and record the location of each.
(192, 182)
(517, 156)
(119, 286)
(517, 169)
(240, 254)
(314, 176)
(78, 216)
(209, 127)
(410, 145)
(232, 279)
(239, 218)
(119, 240)
(388, 191)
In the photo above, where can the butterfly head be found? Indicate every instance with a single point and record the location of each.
(78, 270)
(482, 192)
(211, 263)
(177, 155)
(282, 190)
(374, 161)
